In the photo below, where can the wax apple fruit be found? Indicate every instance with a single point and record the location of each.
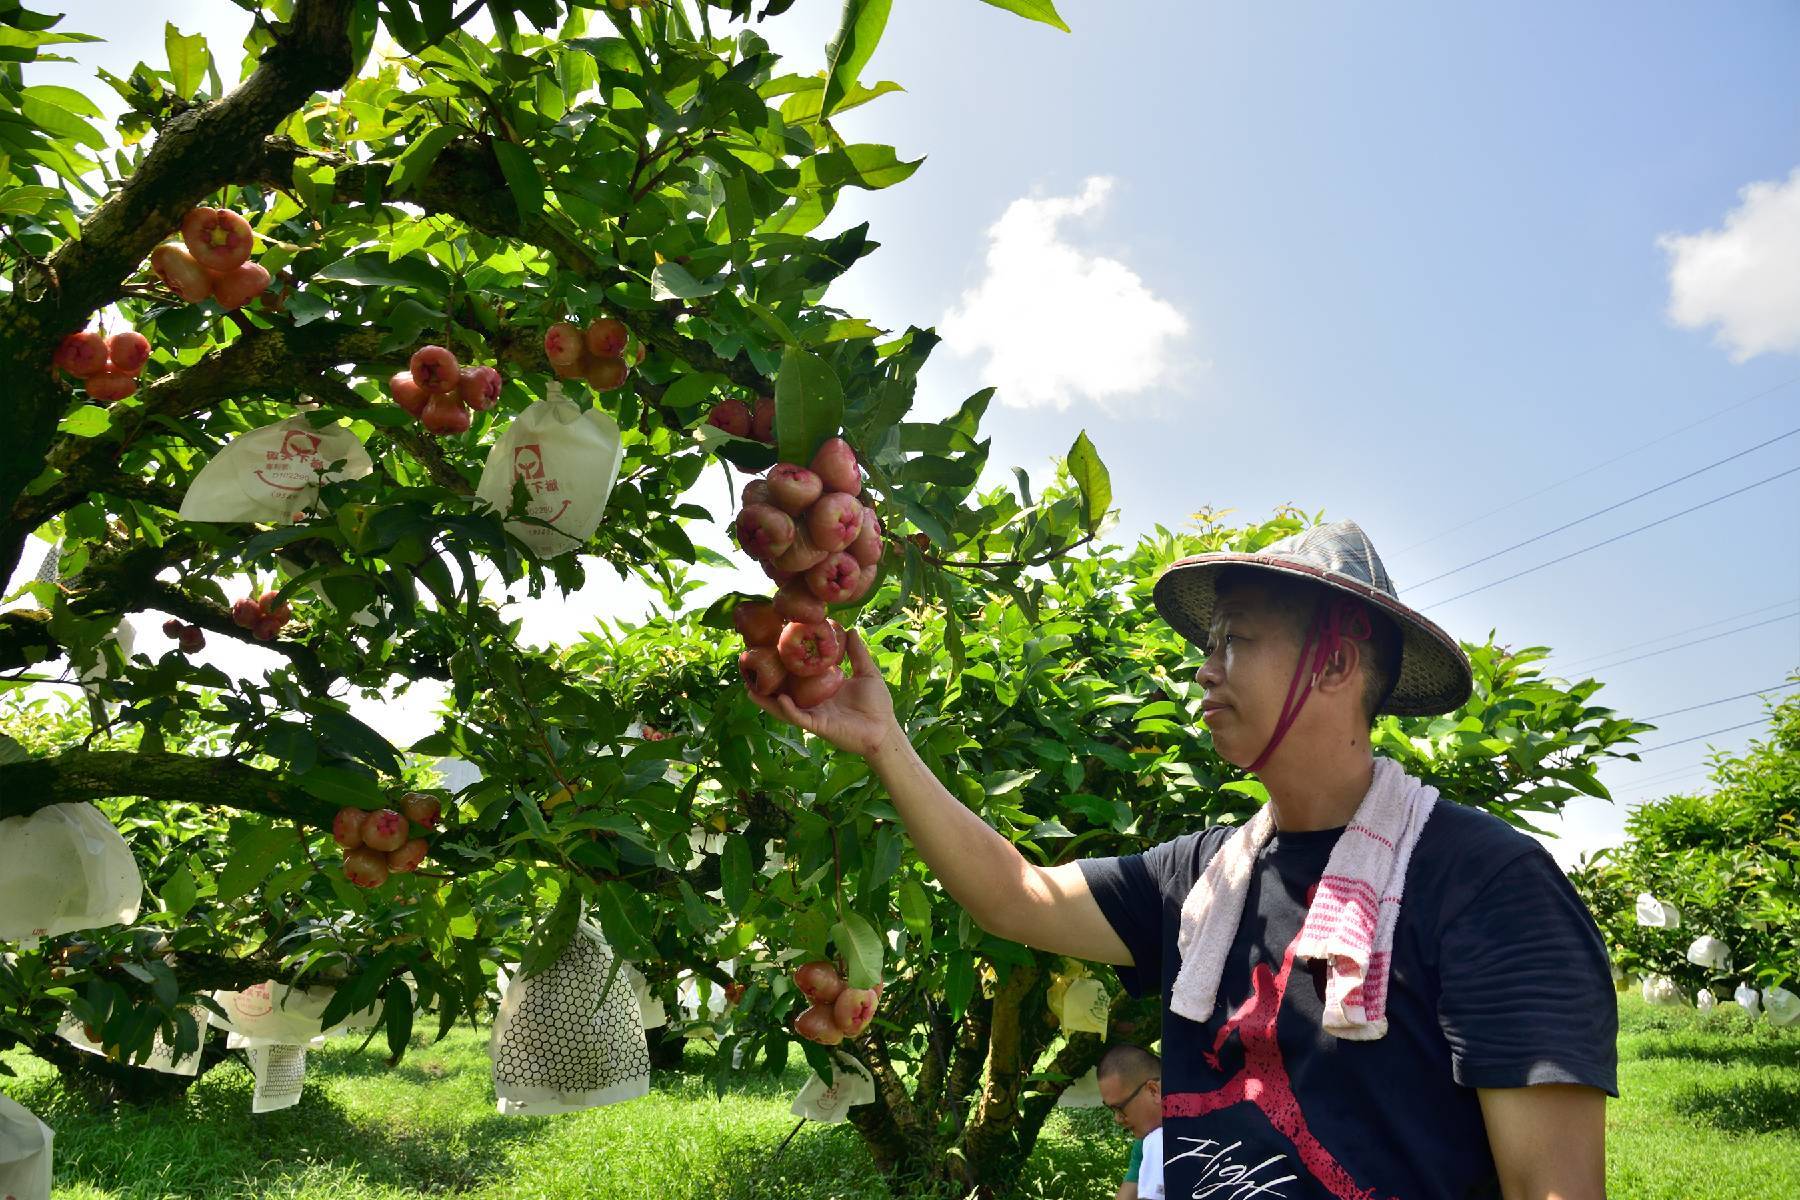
(107, 386)
(853, 1009)
(764, 531)
(181, 273)
(192, 640)
(819, 1024)
(128, 351)
(246, 612)
(866, 549)
(731, 416)
(757, 492)
(241, 284)
(802, 555)
(794, 488)
(366, 868)
(835, 463)
(819, 981)
(605, 374)
(81, 354)
(435, 369)
(605, 337)
(421, 808)
(563, 344)
(408, 856)
(810, 691)
(835, 578)
(479, 387)
(762, 669)
(796, 602)
(218, 238)
(762, 420)
(758, 622)
(407, 393)
(835, 521)
(347, 827)
(810, 649)
(384, 830)
(445, 413)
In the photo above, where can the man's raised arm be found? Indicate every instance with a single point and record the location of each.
(1050, 908)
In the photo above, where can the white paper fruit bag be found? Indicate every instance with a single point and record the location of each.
(830, 1103)
(567, 461)
(1657, 914)
(64, 868)
(273, 1014)
(273, 474)
(162, 1053)
(25, 1146)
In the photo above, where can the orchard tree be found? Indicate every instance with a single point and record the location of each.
(651, 184)
(1727, 859)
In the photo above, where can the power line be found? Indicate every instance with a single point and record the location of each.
(1780, 687)
(1598, 466)
(1682, 633)
(1616, 537)
(1600, 512)
(1699, 736)
(1711, 637)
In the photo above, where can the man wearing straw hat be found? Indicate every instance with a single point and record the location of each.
(1367, 992)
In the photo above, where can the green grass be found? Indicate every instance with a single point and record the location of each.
(1710, 1108)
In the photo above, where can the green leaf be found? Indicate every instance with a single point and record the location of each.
(693, 390)
(858, 942)
(734, 873)
(90, 420)
(397, 1015)
(863, 165)
(1035, 10)
(188, 60)
(341, 787)
(178, 891)
(859, 32)
(551, 936)
(811, 931)
(255, 849)
(809, 404)
(626, 920)
(672, 281)
(1091, 477)
(959, 983)
(419, 155)
(915, 910)
(522, 177)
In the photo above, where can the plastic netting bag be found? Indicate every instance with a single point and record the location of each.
(570, 1037)
(64, 868)
(273, 474)
(566, 459)
(25, 1148)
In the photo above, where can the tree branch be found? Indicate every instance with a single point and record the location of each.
(196, 152)
(86, 775)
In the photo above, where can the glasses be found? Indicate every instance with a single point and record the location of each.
(1120, 1106)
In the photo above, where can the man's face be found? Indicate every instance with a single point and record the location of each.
(1135, 1106)
(1253, 648)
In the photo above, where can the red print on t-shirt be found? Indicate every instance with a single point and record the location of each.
(1264, 1079)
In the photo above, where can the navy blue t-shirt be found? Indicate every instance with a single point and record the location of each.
(1499, 979)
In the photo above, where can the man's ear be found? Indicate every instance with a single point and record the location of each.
(1343, 669)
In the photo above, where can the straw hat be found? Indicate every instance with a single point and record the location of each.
(1434, 671)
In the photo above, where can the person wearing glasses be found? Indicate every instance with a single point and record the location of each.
(1130, 1080)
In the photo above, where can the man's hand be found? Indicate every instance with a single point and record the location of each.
(1549, 1141)
(859, 719)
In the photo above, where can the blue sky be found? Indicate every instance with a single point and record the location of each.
(1402, 263)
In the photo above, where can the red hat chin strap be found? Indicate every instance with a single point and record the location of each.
(1341, 618)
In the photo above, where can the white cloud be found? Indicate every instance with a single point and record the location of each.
(1057, 322)
(1745, 277)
